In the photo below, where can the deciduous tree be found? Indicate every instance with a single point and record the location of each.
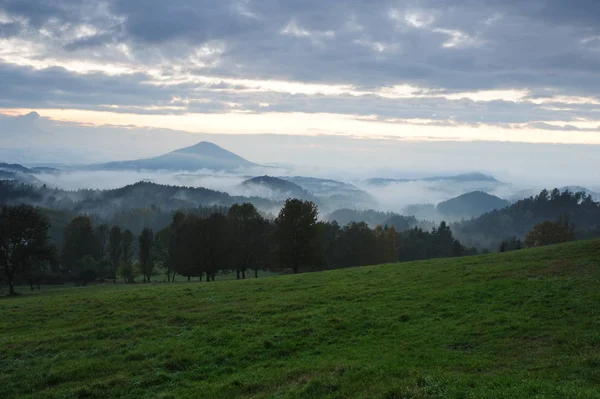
(115, 249)
(296, 230)
(23, 241)
(146, 259)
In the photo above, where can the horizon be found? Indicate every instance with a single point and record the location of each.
(88, 83)
(345, 91)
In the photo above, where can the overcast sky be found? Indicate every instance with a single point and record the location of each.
(521, 71)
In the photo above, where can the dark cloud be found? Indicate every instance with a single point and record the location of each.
(447, 45)
(59, 88)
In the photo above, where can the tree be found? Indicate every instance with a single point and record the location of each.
(328, 239)
(160, 250)
(169, 240)
(187, 252)
(126, 243)
(23, 241)
(146, 259)
(245, 233)
(79, 240)
(128, 271)
(115, 249)
(126, 254)
(511, 244)
(216, 245)
(548, 233)
(385, 243)
(102, 233)
(87, 269)
(296, 230)
(263, 250)
(357, 245)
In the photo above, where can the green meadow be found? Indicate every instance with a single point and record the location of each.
(523, 324)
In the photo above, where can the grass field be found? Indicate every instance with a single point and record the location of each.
(515, 325)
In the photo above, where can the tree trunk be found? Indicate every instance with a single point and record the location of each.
(189, 278)
(255, 273)
(237, 272)
(11, 288)
(212, 278)
(31, 284)
(295, 269)
(243, 274)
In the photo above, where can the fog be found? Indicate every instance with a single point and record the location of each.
(34, 140)
(392, 197)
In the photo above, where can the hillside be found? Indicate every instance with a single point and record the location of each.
(521, 324)
(107, 202)
(471, 204)
(276, 188)
(335, 194)
(18, 173)
(203, 155)
(516, 220)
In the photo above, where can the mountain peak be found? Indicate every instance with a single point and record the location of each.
(204, 155)
(201, 147)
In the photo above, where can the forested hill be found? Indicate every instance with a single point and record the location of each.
(278, 188)
(107, 202)
(471, 205)
(516, 220)
(373, 218)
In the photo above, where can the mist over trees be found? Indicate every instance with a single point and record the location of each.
(124, 242)
(518, 219)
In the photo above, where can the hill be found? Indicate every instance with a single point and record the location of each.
(276, 188)
(516, 220)
(471, 205)
(335, 194)
(107, 202)
(521, 324)
(203, 155)
(18, 173)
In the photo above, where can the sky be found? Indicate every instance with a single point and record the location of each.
(347, 80)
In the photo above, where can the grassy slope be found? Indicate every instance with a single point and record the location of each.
(522, 324)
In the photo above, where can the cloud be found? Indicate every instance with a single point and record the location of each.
(462, 60)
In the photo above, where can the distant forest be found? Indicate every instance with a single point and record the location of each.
(516, 220)
(151, 205)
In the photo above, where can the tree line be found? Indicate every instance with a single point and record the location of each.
(204, 244)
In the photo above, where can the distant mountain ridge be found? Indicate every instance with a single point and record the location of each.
(465, 177)
(204, 155)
